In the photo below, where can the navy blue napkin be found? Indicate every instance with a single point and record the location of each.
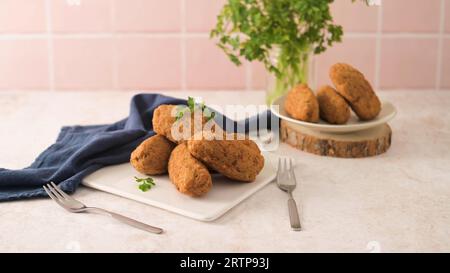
(81, 150)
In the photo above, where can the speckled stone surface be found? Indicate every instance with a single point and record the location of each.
(399, 201)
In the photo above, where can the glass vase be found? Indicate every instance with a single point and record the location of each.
(290, 76)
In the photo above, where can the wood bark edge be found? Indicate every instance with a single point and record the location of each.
(372, 142)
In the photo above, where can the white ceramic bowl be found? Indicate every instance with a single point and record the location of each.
(388, 112)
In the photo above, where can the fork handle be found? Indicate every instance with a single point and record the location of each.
(131, 222)
(293, 215)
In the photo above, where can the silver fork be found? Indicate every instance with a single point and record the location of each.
(72, 205)
(286, 181)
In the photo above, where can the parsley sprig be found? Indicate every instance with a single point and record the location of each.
(250, 29)
(280, 34)
(192, 106)
(145, 184)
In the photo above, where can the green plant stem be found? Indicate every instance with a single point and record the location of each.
(291, 74)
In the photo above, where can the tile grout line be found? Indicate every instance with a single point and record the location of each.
(50, 36)
(115, 60)
(200, 35)
(378, 47)
(50, 46)
(29, 36)
(440, 52)
(183, 47)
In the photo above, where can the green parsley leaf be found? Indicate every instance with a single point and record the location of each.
(180, 112)
(208, 114)
(191, 104)
(145, 183)
(191, 107)
(251, 29)
(144, 187)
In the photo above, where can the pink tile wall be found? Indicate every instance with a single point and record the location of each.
(412, 67)
(89, 16)
(201, 14)
(411, 15)
(164, 45)
(447, 16)
(445, 79)
(24, 64)
(355, 17)
(83, 63)
(147, 15)
(358, 51)
(22, 16)
(148, 63)
(208, 68)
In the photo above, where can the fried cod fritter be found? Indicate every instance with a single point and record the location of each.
(353, 86)
(152, 155)
(333, 108)
(164, 119)
(301, 104)
(236, 159)
(189, 175)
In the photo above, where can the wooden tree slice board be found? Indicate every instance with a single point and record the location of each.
(365, 143)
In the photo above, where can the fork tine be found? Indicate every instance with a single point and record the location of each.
(55, 192)
(64, 195)
(279, 166)
(52, 196)
(48, 192)
(285, 168)
(291, 169)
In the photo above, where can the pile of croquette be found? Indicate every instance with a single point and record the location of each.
(351, 90)
(190, 160)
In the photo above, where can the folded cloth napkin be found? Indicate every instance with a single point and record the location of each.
(81, 150)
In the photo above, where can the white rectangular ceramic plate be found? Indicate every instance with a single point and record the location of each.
(224, 195)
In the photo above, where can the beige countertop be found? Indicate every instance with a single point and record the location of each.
(399, 201)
